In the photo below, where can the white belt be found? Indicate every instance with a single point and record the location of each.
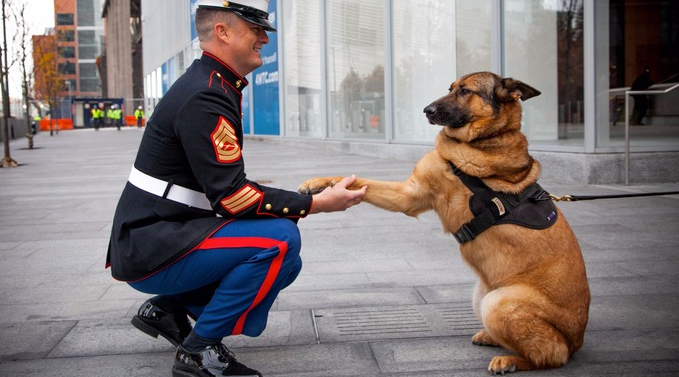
(176, 193)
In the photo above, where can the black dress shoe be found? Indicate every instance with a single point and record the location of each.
(154, 321)
(213, 361)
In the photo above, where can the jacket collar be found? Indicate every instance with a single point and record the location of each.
(236, 81)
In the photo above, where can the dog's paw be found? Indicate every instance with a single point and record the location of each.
(482, 338)
(501, 365)
(316, 185)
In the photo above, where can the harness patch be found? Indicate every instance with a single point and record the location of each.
(500, 207)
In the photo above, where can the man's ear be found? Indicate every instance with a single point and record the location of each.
(222, 31)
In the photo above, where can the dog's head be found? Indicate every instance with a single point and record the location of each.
(479, 105)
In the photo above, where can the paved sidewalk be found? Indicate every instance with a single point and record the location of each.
(381, 294)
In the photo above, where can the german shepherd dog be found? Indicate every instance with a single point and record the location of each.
(532, 295)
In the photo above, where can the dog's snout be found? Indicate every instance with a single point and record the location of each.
(430, 110)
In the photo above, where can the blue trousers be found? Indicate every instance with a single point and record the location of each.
(230, 281)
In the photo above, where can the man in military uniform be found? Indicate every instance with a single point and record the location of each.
(190, 227)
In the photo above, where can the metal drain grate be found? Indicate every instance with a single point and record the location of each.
(384, 321)
(395, 322)
(459, 318)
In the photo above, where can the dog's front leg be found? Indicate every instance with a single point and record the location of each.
(405, 197)
(315, 185)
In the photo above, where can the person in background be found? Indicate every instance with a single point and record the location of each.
(642, 82)
(97, 116)
(117, 116)
(139, 116)
(190, 227)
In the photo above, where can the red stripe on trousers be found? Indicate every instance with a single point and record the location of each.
(274, 268)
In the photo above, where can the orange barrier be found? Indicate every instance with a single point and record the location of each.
(130, 120)
(61, 124)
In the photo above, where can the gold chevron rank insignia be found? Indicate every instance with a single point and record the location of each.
(241, 200)
(225, 141)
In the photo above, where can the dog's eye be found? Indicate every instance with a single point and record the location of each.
(464, 91)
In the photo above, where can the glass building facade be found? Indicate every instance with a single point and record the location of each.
(361, 71)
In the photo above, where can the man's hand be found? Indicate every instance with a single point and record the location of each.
(338, 197)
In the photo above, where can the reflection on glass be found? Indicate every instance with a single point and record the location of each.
(356, 68)
(424, 67)
(302, 68)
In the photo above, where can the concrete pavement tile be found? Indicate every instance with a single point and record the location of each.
(74, 310)
(144, 364)
(640, 285)
(31, 340)
(634, 312)
(606, 270)
(652, 268)
(319, 299)
(435, 294)
(629, 255)
(419, 278)
(97, 337)
(101, 277)
(622, 345)
(433, 354)
(50, 294)
(609, 236)
(48, 261)
(353, 266)
(337, 280)
(318, 360)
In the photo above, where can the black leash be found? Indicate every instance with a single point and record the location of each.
(575, 198)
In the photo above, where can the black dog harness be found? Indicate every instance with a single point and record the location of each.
(532, 208)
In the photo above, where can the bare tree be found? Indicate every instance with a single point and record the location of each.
(7, 161)
(23, 39)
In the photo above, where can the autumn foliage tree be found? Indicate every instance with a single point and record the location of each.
(47, 82)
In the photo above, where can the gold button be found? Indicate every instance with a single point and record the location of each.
(268, 207)
(285, 210)
(302, 212)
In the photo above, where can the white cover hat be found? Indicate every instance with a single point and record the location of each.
(253, 11)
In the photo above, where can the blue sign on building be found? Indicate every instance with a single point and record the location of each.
(194, 6)
(265, 85)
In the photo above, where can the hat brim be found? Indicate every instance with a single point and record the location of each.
(263, 22)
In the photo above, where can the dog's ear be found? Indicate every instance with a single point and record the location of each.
(509, 90)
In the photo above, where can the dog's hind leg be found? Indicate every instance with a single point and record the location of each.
(517, 318)
(482, 338)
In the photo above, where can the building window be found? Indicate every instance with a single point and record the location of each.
(67, 68)
(65, 35)
(87, 12)
(302, 41)
(87, 44)
(66, 52)
(527, 24)
(640, 35)
(356, 60)
(89, 80)
(423, 66)
(64, 19)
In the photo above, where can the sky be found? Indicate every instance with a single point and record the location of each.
(39, 15)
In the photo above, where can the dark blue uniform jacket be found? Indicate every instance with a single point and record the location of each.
(194, 139)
